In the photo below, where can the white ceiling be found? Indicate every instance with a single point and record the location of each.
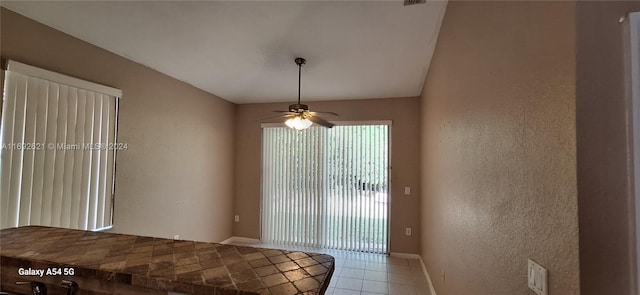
(243, 51)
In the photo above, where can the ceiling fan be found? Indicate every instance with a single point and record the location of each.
(298, 116)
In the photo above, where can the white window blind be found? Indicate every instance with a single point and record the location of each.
(326, 187)
(58, 154)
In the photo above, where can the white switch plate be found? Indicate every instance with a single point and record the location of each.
(176, 237)
(407, 231)
(537, 277)
(407, 190)
(237, 218)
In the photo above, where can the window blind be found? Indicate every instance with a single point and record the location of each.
(326, 187)
(58, 150)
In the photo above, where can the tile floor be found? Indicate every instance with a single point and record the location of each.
(363, 273)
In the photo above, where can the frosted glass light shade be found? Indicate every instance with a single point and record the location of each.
(298, 123)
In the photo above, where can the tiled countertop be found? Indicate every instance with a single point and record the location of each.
(170, 265)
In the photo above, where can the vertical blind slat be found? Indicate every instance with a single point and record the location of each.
(111, 139)
(69, 163)
(374, 205)
(49, 154)
(95, 161)
(360, 190)
(77, 189)
(277, 190)
(18, 155)
(26, 192)
(348, 187)
(38, 161)
(6, 129)
(287, 228)
(85, 191)
(385, 173)
(59, 158)
(277, 210)
(102, 170)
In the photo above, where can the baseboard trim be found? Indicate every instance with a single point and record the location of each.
(242, 240)
(426, 274)
(404, 255)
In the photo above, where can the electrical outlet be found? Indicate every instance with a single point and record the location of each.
(407, 190)
(537, 277)
(176, 237)
(237, 218)
(407, 231)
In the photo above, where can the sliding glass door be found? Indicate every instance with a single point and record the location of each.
(326, 187)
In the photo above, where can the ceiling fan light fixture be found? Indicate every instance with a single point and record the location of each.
(299, 116)
(298, 123)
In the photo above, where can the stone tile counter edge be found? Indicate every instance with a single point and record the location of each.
(111, 263)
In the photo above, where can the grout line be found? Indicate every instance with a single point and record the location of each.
(342, 255)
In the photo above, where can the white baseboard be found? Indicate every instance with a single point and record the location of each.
(404, 255)
(426, 274)
(242, 240)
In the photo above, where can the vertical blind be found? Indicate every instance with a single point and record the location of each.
(58, 154)
(326, 187)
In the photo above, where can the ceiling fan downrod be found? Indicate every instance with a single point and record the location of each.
(298, 108)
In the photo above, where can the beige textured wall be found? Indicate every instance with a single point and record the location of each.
(404, 112)
(605, 203)
(175, 178)
(498, 149)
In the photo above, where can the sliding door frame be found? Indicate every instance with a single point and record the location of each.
(634, 74)
(388, 123)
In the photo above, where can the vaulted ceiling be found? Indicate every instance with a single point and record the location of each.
(243, 51)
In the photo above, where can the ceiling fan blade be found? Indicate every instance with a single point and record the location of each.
(279, 116)
(320, 121)
(330, 113)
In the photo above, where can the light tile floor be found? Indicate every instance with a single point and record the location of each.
(364, 273)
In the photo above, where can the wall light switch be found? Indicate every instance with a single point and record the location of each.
(407, 231)
(407, 190)
(237, 218)
(537, 277)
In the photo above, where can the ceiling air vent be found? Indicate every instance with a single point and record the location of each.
(411, 2)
